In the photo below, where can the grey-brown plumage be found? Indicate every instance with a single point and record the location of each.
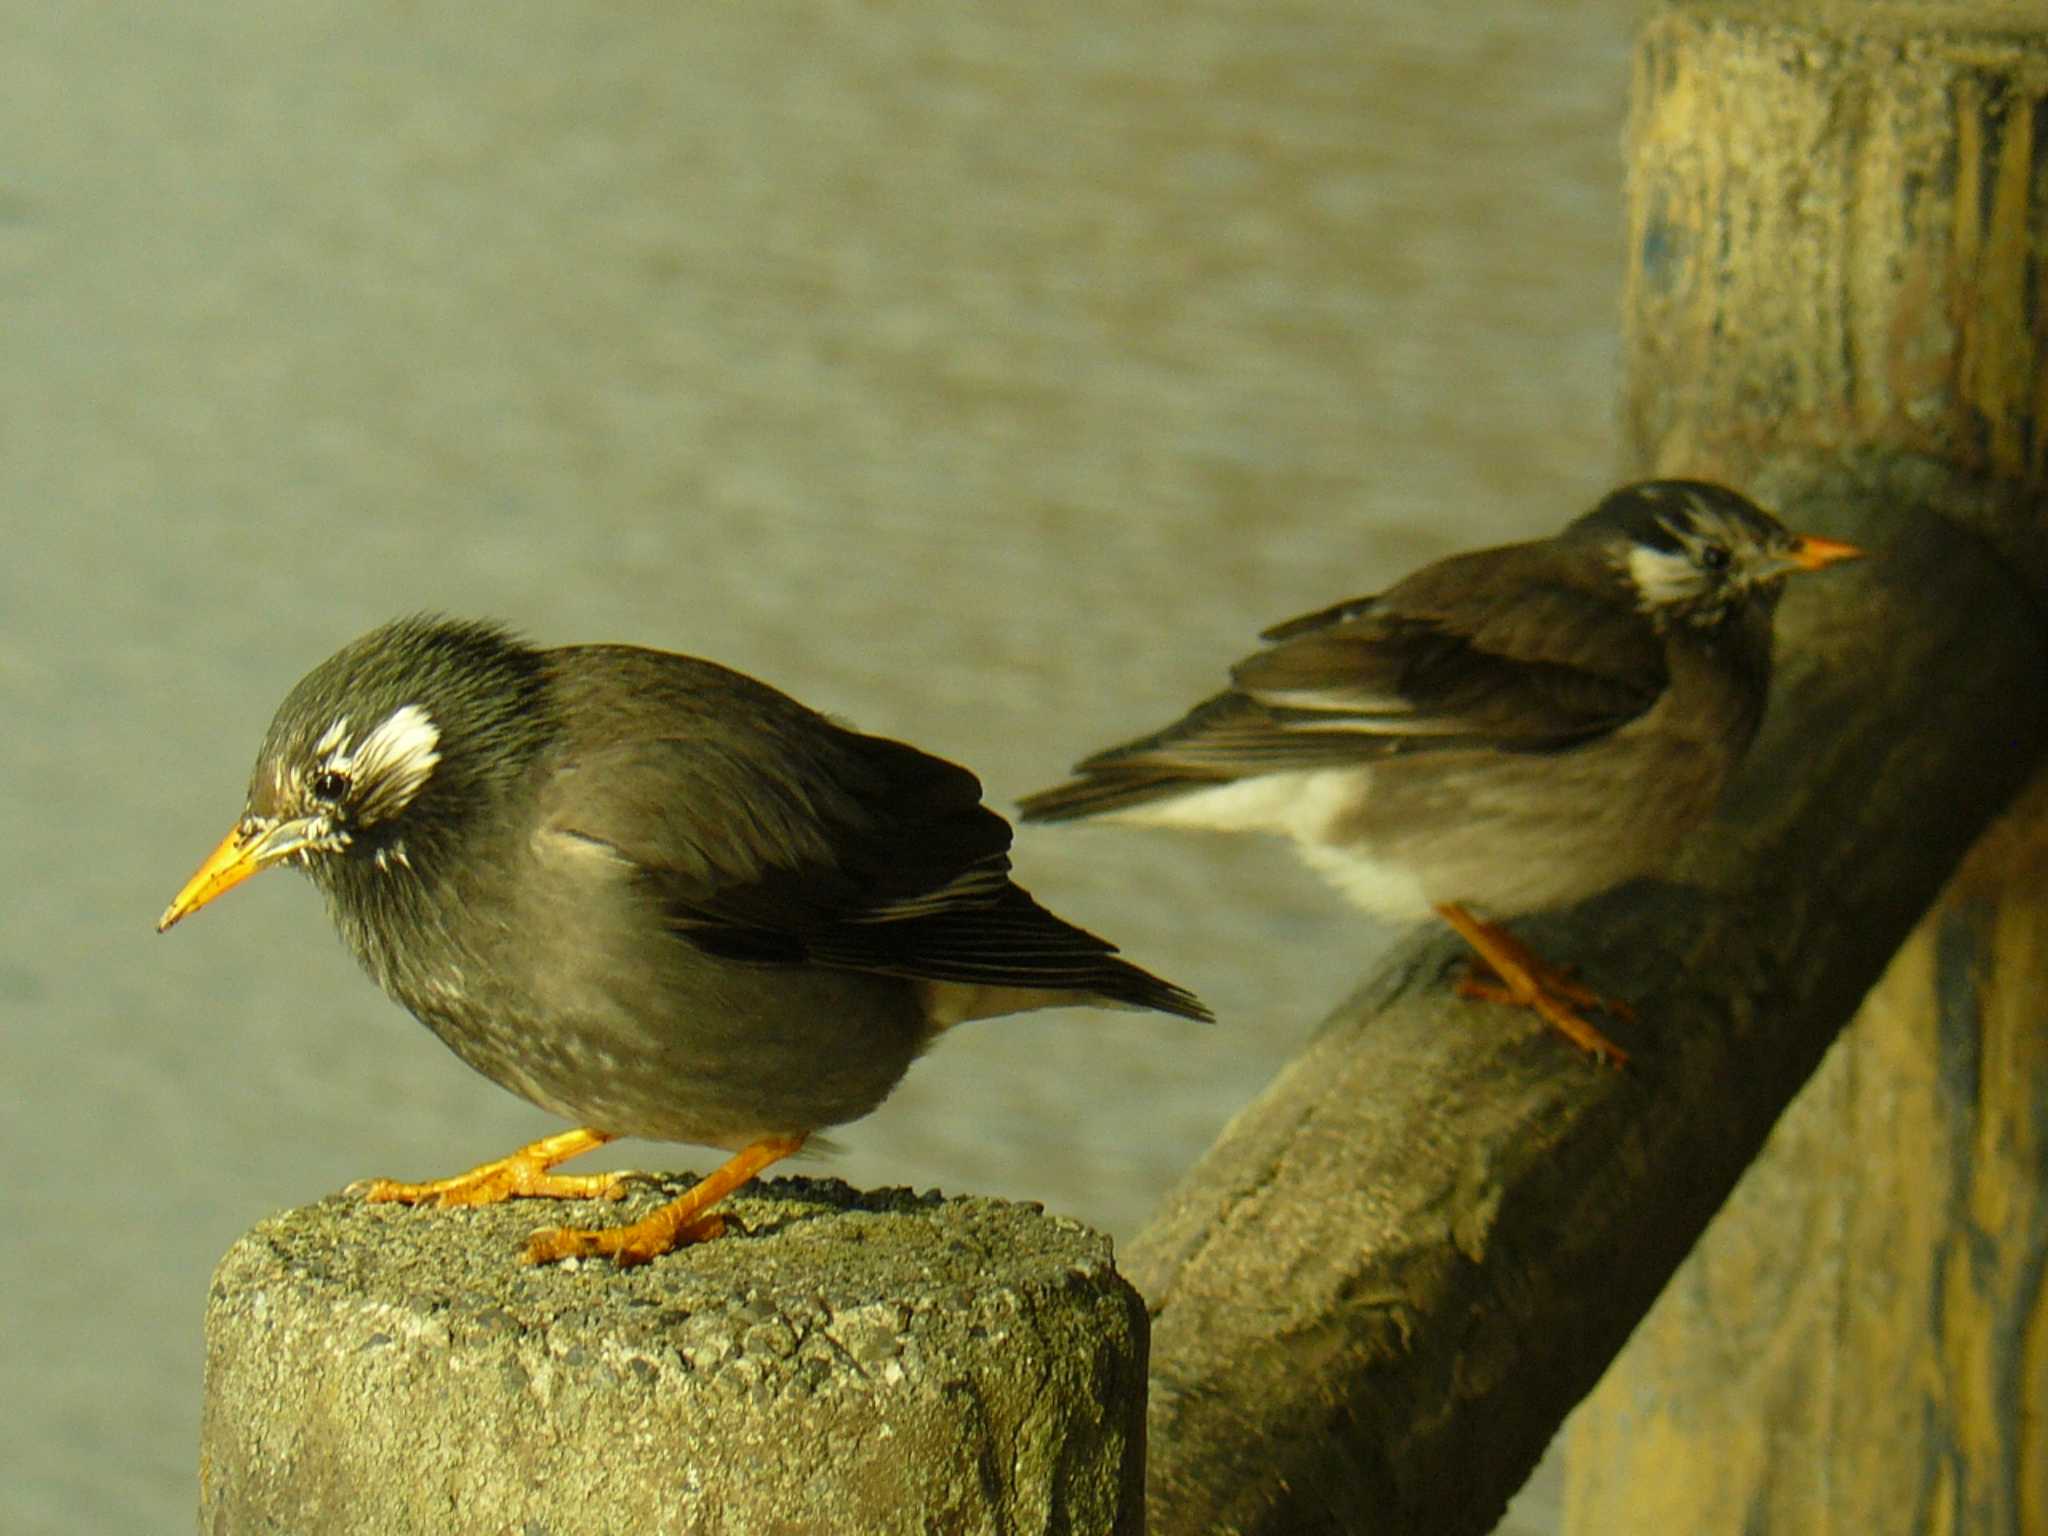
(1514, 728)
(646, 892)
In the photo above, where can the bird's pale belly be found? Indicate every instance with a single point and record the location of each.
(1510, 833)
(1515, 834)
(741, 1070)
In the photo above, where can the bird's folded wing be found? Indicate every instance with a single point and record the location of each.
(1536, 670)
(848, 850)
(766, 832)
(753, 836)
(826, 847)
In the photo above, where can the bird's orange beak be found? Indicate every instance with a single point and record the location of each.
(250, 849)
(1813, 552)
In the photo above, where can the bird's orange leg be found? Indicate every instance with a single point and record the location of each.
(522, 1175)
(1529, 981)
(679, 1222)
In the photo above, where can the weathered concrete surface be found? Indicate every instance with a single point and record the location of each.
(839, 1362)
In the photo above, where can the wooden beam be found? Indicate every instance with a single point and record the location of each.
(1377, 1297)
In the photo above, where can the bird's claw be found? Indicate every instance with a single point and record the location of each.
(626, 1246)
(1559, 1009)
(1487, 989)
(1523, 979)
(509, 1179)
(1558, 983)
(1580, 1033)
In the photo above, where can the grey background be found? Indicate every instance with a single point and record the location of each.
(985, 374)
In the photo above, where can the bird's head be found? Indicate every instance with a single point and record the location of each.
(1695, 552)
(380, 756)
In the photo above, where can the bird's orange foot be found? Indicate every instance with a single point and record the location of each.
(682, 1221)
(1558, 1008)
(1559, 982)
(625, 1246)
(523, 1175)
(1523, 978)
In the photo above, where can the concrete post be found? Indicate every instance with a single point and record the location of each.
(843, 1362)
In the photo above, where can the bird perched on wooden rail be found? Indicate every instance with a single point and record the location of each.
(648, 894)
(1507, 730)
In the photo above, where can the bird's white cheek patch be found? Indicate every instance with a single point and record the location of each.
(1663, 577)
(393, 763)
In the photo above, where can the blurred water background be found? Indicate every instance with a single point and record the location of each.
(984, 374)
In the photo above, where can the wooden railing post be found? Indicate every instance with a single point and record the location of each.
(1377, 1297)
(1839, 234)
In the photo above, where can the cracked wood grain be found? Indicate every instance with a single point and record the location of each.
(1378, 1296)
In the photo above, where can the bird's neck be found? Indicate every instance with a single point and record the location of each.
(1737, 650)
(407, 918)
(404, 901)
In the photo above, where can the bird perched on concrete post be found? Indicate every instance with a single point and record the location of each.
(1507, 730)
(648, 894)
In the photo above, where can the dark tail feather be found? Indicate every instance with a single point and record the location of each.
(1122, 982)
(1097, 794)
(1008, 941)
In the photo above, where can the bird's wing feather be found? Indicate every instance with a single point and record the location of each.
(1457, 656)
(768, 833)
(756, 844)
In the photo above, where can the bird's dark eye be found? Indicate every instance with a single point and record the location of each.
(329, 784)
(1715, 557)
